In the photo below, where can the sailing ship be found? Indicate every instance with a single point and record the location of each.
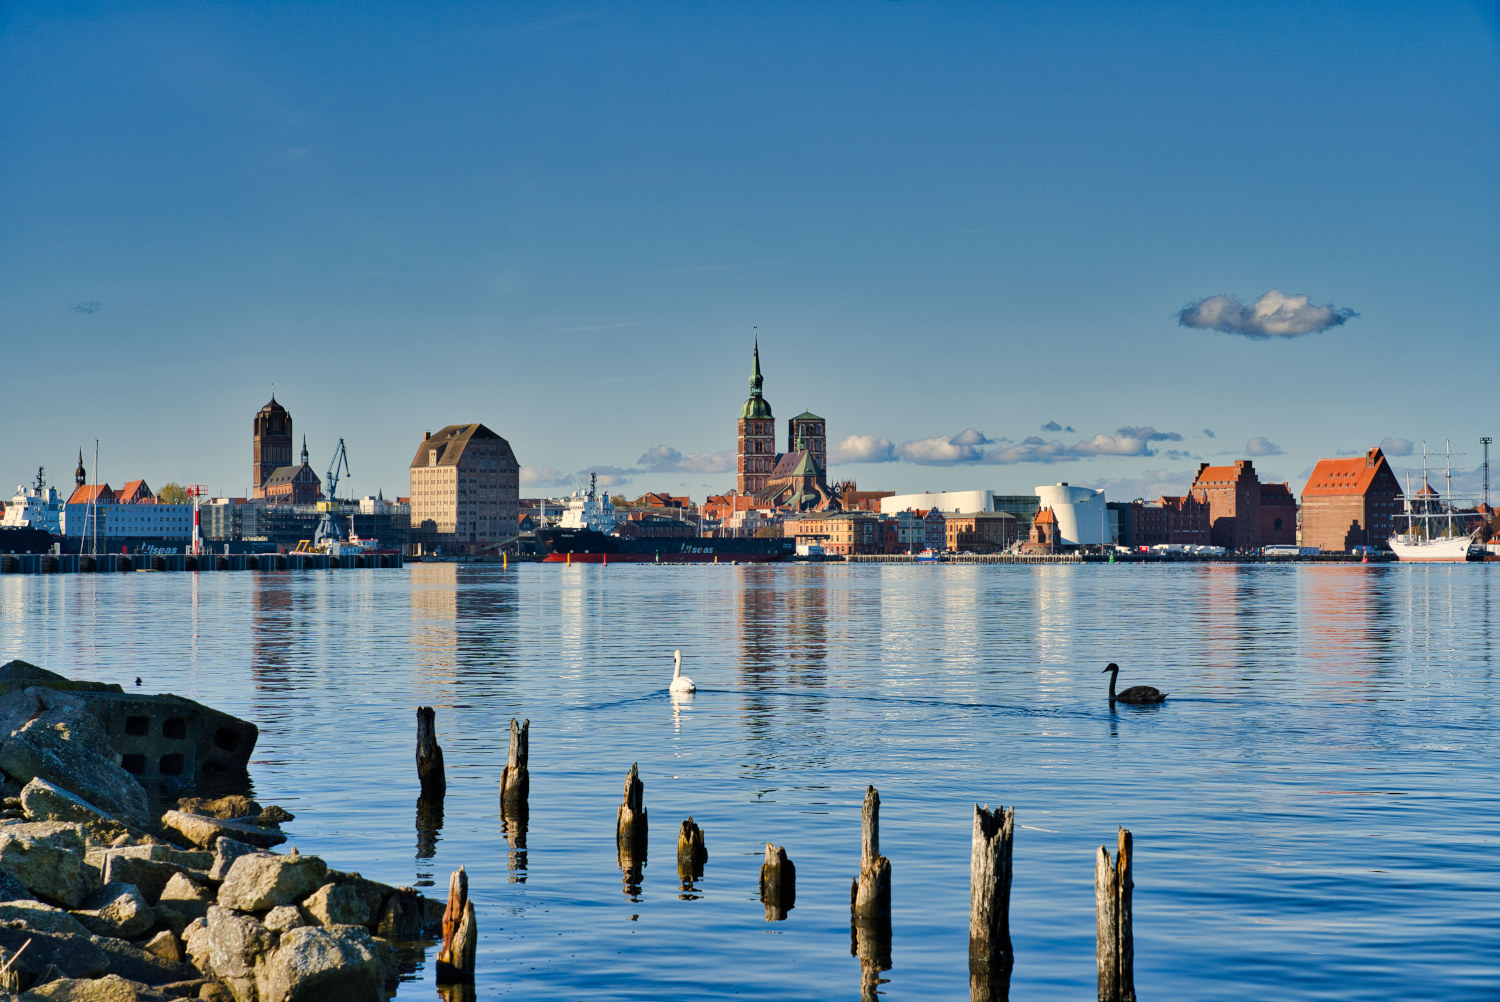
(1434, 532)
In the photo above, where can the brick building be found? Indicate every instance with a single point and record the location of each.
(838, 532)
(755, 436)
(1350, 502)
(271, 445)
(1244, 513)
(292, 484)
(1171, 520)
(979, 531)
(1044, 536)
(465, 490)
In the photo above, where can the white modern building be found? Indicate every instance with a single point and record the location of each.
(1082, 517)
(946, 501)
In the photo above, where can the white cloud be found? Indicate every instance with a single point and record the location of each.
(1397, 446)
(973, 446)
(1149, 485)
(543, 476)
(1262, 446)
(863, 449)
(1272, 315)
(1125, 442)
(965, 447)
(665, 459)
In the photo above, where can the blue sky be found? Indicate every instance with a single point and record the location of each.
(965, 232)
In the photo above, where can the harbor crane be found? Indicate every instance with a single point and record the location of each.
(328, 530)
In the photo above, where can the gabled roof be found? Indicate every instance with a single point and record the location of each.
(95, 493)
(1045, 517)
(1352, 477)
(1224, 474)
(807, 416)
(134, 492)
(301, 473)
(450, 443)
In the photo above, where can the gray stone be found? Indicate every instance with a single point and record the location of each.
(63, 743)
(233, 806)
(165, 946)
(118, 910)
(47, 856)
(205, 831)
(73, 956)
(139, 964)
(284, 917)
(404, 916)
(181, 901)
(110, 988)
(373, 893)
(228, 946)
(44, 801)
(12, 889)
(40, 916)
(150, 875)
(313, 964)
(261, 881)
(337, 904)
(226, 851)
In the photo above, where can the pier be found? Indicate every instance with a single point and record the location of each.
(114, 563)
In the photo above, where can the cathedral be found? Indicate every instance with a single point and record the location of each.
(272, 476)
(794, 480)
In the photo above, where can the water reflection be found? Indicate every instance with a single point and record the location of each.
(870, 941)
(429, 834)
(513, 819)
(463, 622)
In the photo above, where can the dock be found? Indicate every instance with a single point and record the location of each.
(115, 563)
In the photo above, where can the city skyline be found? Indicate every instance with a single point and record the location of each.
(993, 247)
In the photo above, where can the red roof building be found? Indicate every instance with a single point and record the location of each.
(1244, 513)
(1350, 502)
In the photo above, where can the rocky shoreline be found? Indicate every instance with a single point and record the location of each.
(101, 901)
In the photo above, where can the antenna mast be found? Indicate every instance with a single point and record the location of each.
(1485, 441)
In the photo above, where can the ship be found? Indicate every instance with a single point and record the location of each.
(586, 534)
(1430, 534)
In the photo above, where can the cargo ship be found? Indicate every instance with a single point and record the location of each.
(586, 534)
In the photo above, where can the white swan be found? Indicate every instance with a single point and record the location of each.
(680, 682)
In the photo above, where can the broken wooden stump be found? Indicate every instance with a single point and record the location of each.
(778, 883)
(870, 902)
(455, 961)
(1115, 949)
(691, 855)
(990, 957)
(429, 755)
(515, 782)
(630, 832)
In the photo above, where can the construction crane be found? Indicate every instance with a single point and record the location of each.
(328, 530)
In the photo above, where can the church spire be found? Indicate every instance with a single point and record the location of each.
(304, 448)
(80, 475)
(755, 377)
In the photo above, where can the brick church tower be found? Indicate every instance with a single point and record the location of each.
(272, 447)
(756, 436)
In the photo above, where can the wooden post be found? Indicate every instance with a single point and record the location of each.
(691, 852)
(870, 902)
(778, 883)
(515, 781)
(429, 755)
(990, 956)
(1115, 949)
(455, 961)
(630, 832)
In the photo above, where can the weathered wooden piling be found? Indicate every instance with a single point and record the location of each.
(778, 883)
(455, 961)
(990, 957)
(691, 852)
(870, 894)
(1115, 949)
(429, 755)
(630, 819)
(515, 782)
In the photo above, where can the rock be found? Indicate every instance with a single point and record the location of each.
(215, 992)
(44, 801)
(139, 964)
(373, 893)
(73, 956)
(233, 806)
(118, 910)
(165, 946)
(313, 964)
(204, 831)
(284, 917)
(226, 851)
(110, 988)
(263, 880)
(182, 901)
(12, 889)
(338, 904)
(47, 856)
(63, 742)
(148, 874)
(39, 916)
(15, 675)
(187, 859)
(272, 816)
(227, 946)
(404, 916)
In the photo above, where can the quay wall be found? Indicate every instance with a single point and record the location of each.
(114, 563)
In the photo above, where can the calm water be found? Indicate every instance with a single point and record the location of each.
(1314, 809)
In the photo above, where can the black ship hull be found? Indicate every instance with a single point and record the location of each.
(589, 546)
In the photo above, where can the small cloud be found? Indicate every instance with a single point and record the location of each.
(1397, 446)
(1209, 433)
(609, 476)
(1052, 426)
(973, 446)
(1262, 446)
(863, 449)
(665, 459)
(965, 447)
(1125, 442)
(543, 476)
(1272, 315)
(88, 306)
(1148, 485)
